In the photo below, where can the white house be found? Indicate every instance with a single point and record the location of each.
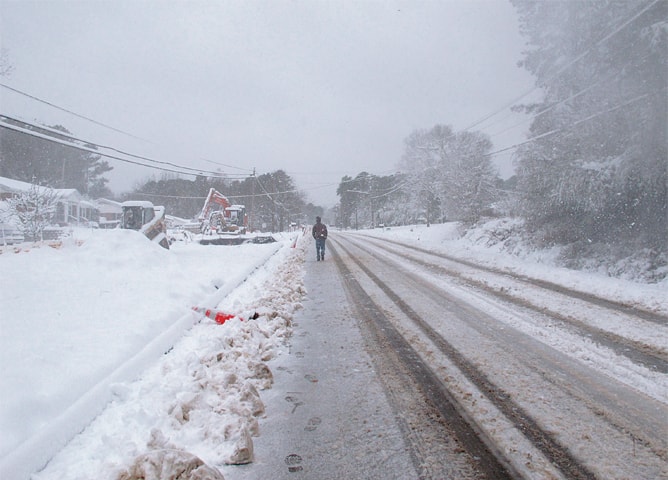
(71, 207)
(110, 212)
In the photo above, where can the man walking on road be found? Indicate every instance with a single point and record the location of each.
(319, 232)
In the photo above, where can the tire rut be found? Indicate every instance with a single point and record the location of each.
(402, 370)
(636, 417)
(558, 454)
(588, 297)
(635, 351)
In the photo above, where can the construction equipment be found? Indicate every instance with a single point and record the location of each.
(219, 216)
(146, 218)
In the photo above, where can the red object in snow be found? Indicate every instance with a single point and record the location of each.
(216, 315)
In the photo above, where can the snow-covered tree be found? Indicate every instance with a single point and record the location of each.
(388, 200)
(370, 200)
(422, 161)
(277, 202)
(470, 179)
(596, 170)
(34, 210)
(354, 193)
(449, 169)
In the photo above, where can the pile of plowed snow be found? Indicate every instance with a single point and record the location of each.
(81, 323)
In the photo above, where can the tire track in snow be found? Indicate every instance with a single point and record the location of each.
(555, 287)
(491, 464)
(590, 394)
(636, 351)
(558, 454)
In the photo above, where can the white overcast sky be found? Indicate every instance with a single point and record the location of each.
(320, 89)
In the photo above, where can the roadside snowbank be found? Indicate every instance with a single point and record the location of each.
(79, 322)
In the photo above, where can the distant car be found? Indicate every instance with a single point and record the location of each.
(10, 235)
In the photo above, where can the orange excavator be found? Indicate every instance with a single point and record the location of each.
(219, 216)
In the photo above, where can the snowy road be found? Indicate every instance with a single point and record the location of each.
(527, 364)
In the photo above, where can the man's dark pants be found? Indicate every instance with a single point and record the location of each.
(320, 248)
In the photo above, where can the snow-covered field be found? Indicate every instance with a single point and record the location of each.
(88, 324)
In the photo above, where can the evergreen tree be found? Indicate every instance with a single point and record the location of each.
(597, 169)
(29, 158)
(370, 200)
(181, 197)
(271, 200)
(347, 202)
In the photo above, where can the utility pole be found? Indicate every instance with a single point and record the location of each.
(250, 215)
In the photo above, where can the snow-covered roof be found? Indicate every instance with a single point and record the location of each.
(108, 206)
(68, 194)
(106, 201)
(137, 203)
(9, 185)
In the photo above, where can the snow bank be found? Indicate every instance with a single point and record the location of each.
(77, 319)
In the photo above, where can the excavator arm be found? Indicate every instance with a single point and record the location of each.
(213, 199)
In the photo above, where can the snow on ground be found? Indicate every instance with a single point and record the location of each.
(484, 246)
(88, 324)
(80, 322)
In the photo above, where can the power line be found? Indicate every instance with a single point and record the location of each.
(70, 112)
(561, 70)
(185, 197)
(610, 76)
(32, 97)
(569, 127)
(391, 191)
(226, 165)
(97, 152)
(72, 137)
(551, 77)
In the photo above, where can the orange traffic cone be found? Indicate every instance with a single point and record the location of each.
(216, 315)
